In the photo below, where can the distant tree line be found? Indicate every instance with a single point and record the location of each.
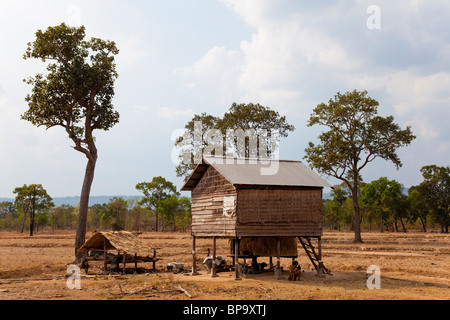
(161, 208)
(385, 205)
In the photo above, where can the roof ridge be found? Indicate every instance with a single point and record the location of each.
(257, 159)
(273, 172)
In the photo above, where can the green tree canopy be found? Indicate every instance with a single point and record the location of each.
(418, 207)
(253, 116)
(253, 121)
(357, 135)
(8, 215)
(75, 94)
(176, 211)
(33, 199)
(193, 142)
(154, 192)
(116, 213)
(387, 199)
(6, 207)
(435, 190)
(62, 216)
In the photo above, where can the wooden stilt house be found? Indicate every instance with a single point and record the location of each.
(249, 199)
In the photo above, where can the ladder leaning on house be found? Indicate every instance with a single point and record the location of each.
(315, 258)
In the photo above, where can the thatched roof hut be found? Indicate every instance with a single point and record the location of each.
(129, 247)
(122, 241)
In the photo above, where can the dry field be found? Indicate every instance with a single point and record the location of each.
(413, 266)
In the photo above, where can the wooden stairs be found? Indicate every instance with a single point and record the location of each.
(316, 258)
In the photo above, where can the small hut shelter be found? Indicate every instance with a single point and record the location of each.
(130, 249)
(253, 201)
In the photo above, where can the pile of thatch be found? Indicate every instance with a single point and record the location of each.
(266, 247)
(122, 241)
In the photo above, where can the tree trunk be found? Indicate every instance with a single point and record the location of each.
(423, 224)
(24, 218)
(444, 223)
(403, 225)
(84, 206)
(137, 221)
(357, 217)
(31, 222)
(32, 215)
(381, 222)
(394, 225)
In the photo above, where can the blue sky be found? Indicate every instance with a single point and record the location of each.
(181, 57)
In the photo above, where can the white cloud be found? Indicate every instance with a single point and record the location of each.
(252, 12)
(301, 55)
(291, 56)
(213, 78)
(172, 113)
(140, 109)
(288, 54)
(275, 67)
(421, 100)
(131, 53)
(215, 62)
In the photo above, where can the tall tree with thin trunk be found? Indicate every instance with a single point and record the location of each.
(75, 94)
(356, 137)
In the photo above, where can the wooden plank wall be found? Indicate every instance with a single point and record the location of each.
(208, 217)
(279, 212)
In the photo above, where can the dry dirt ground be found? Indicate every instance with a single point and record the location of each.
(412, 265)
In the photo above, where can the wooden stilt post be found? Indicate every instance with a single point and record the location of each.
(194, 266)
(124, 261)
(320, 248)
(86, 264)
(105, 254)
(236, 259)
(278, 268)
(214, 265)
(320, 269)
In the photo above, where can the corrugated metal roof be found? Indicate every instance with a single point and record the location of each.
(195, 177)
(258, 172)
